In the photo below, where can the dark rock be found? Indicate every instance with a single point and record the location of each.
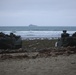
(10, 41)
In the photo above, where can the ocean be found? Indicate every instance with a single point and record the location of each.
(38, 32)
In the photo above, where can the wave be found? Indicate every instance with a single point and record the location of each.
(38, 34)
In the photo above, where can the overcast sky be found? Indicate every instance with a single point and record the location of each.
(38, 12)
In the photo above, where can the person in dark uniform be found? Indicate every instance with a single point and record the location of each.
(64, 37)
(64, 34)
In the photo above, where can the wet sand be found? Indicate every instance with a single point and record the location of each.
(58, 65)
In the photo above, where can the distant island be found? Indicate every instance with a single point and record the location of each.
(31, 25)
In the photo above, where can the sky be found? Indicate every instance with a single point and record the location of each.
(38, 12)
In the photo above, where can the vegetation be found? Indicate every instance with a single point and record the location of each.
(38, 44)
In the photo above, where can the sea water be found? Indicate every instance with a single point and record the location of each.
(38, 32)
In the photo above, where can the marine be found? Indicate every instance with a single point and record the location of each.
(67, 40)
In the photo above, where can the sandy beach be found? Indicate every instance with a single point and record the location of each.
(38, 57)
(58, 65)
(37, 37)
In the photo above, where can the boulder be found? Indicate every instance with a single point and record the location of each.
(10, 41)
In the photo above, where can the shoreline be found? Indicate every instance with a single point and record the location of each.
(39, 38)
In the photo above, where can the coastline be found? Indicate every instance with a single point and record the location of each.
(38, 57)
(38, 34)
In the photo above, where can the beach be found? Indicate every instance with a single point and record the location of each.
(38, 57)
(37, 37)
(58, 65)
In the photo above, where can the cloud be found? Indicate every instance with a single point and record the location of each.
(14, 5)
(42, 12)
